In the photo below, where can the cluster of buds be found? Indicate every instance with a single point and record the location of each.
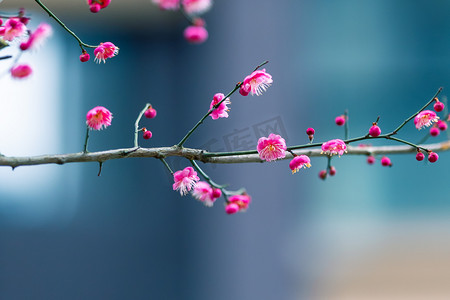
(436, 125)
(237, 203)
(196, 33)
(187, 180)
(149, 113)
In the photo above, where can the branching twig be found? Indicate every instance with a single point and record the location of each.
(52, 15)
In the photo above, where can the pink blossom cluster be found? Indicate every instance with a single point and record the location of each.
(205, 193)
(237, 203)
(13, 28)
(196, 33)
(96, 5)
(185, 180)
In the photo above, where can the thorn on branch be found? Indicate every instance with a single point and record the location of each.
(100, 165)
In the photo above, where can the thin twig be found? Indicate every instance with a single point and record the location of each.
(52, 15)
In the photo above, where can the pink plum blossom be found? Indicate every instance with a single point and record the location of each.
(21, 71)
(167, 4)
(425, 119)
(256, 83)
(13, 28)
(195, 34)
(185, 180)
(204, 193)
(196, 6)
(99, 117)
(332, 147)
(272, 147)
(38, 37)
(104, 51)
(221, 110)
(298, 162)
(237, 203)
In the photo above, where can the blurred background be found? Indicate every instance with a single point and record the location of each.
(370, 232)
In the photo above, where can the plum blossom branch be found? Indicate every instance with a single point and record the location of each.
(238, 85)
(412, 116)
(198, 154)
(52, 15)
(206, 176)
(181, 143)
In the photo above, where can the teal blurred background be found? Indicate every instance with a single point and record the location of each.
(369, 232)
